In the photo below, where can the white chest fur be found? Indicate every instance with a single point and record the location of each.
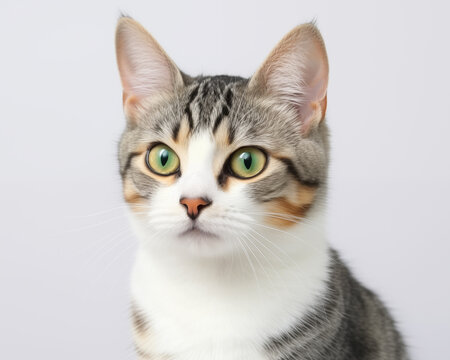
(206, 309)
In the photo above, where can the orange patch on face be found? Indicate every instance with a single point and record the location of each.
(223, 148)
(183, 132)
(130, 193)
(286, 212)
(222, 135)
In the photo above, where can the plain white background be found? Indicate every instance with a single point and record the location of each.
(65, 247)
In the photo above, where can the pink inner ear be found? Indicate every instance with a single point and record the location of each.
(296, 72)
(144, 67)
(303, 82)
(144, 70)
(318, 79)
(312, 109)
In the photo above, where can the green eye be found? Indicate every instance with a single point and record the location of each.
(162, 160)
(247, 162)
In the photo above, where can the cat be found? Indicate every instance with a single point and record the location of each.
(226, 181)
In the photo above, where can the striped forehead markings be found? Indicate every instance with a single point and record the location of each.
(225, 111)
(187, 110)
(202, 96)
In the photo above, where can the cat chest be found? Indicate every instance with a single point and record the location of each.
(191, 322)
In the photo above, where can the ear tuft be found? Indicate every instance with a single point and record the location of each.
(296, 74)
(145, 69)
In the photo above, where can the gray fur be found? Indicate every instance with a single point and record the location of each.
(270, 187)
(350, 323)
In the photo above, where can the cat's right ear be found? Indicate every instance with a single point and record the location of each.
(146, 71)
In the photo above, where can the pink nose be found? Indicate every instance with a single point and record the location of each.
(194, 206)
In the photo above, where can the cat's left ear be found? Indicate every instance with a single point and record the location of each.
(145, 69)
(296, 74)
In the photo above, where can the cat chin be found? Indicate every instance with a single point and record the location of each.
(185, 242)
(199, 243)
(197, 234)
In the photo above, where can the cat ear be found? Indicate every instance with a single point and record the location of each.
(296, 74)
(145, 69)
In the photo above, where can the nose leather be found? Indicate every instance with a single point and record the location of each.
(194, 205)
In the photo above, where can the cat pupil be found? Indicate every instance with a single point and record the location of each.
(164, 156)
(247, 160)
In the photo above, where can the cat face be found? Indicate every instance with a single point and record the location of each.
(209, 164)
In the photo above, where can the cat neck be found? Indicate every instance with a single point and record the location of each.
(224, 300)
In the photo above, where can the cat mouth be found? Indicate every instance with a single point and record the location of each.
(197, 232)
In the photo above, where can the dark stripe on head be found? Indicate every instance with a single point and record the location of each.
(205, 89)
(217, 122)
(205, 85)
(128, 163)
(294, 172)
(175, 131)
(229, 98)
(188, 111)
(225, 109)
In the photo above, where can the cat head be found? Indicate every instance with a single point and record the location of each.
(211, 163)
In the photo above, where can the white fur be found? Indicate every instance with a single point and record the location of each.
(222, 297)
